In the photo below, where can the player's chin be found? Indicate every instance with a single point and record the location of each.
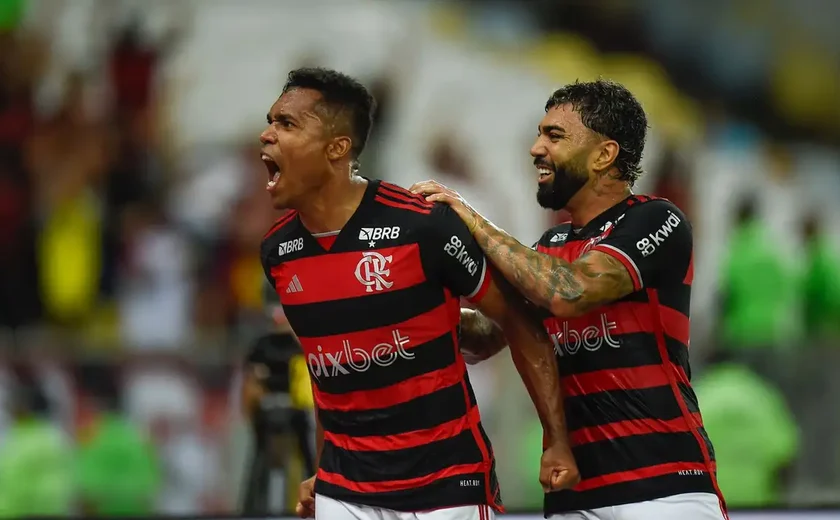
(280, 200)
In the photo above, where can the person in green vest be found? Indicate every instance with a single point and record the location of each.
(760, 289)
(36, 477)
(821, 283)
(117, 467)
(753, 432)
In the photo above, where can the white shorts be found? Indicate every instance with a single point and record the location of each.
(688, 506)
(329, 509)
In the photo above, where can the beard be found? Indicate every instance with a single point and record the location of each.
(568, 180)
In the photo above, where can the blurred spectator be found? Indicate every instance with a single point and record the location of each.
(759, 288)
(117, 469)
(36, 475)
(156, 293)
(673, 181)
(754, 434)
(66, 158)
(821, 283)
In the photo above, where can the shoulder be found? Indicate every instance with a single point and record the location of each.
(415, 210)
(555, 236)
(644, 207)
(278, 233)
(398, 197)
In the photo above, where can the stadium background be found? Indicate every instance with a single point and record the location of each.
(131, 207)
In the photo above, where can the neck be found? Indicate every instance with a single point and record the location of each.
(329, 208)
(588, 204)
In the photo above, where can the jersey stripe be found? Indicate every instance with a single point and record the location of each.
(381, 310)
(634, 317)
(322, 281)
(399, 194)
(402, 205)
(398, 485)
(409, 416)
(483, 285)
(421, 385)
(619, 429)
(401, 464)
(641, 473)
(280, 222)
(448, 492)
(649, 376)
(401, 441)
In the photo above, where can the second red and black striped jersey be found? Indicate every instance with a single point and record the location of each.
(377, 313)
(633, 418)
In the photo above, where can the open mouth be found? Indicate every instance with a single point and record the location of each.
(272, 168)
(545, 172)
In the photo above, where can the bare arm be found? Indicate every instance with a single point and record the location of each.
(533, 355)
(481, 338)
(566, 289)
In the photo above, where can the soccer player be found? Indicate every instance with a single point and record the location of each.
(613, 288)
(370, 276)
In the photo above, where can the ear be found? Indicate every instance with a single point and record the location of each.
(339, 147)
(605, 155)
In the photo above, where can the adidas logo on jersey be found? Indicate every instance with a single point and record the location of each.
(294, 286)
(559, 237)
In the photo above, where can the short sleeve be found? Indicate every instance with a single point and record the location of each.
(654, 242)
(460, 262)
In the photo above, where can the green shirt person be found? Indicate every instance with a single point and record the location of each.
(761, 290)
(117, 469)
(753, 432)
(36, 476)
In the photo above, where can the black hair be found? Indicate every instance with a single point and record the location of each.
(341, 93)
(609, 109)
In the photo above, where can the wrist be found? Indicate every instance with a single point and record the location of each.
(556, 436)
(477, 225)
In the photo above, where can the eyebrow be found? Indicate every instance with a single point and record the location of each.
(550, 128)
(278, 117)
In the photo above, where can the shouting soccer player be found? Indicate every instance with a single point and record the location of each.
(370, 276)
(613, 287)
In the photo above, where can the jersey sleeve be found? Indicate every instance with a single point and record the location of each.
(461, 264)
(653, 241)
(265, 249)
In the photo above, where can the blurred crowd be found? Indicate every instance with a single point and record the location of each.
(131, 210)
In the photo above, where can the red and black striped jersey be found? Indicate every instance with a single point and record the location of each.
(377, 315)
(633, 418)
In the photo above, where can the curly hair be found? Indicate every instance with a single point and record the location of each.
(341, 94)
(609, 109)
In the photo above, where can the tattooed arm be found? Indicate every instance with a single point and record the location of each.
(651, 245)
(566, 289)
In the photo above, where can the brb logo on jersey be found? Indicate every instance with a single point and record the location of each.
(290, 247)
(350, 358)
(591, 338)
(457, 250)
(648, 245)
(372, 271)
(371, 235)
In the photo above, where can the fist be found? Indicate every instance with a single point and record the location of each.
(305, 507)
(558, 469)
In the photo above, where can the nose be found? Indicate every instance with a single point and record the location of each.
(267, 136)
(538, 150)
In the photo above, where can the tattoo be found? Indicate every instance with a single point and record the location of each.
(564, 288)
